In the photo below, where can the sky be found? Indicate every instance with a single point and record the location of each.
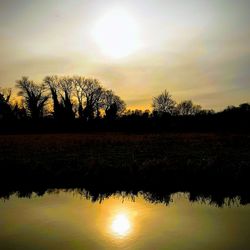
(195, 49)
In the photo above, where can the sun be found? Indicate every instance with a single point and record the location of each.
(121, 225)
(116, 34)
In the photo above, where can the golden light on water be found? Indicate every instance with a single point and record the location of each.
(115, 224)
(121, 225)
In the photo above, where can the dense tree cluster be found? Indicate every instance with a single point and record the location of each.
(34, 97)
(66, 99)
(164, 104)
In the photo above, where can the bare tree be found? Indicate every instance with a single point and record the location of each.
(93, 94)
(79, 87)
(89, 93)
(113, 104)
(52, 83)
(188, 108)
(66, 87)
(34, 97)
(164, 103)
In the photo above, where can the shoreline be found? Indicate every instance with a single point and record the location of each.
(188, 162)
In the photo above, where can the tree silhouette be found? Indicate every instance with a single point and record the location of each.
(187, 108)
(89, 93)
(52, 83)
(77, 97)
(5, 106)
(66, 88)
(79, 86)
(113, 105)
(245, 107)
(19, 112)
(164, 103)
(34, 97)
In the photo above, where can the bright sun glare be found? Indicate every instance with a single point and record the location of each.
(121, 225)
(116, 34)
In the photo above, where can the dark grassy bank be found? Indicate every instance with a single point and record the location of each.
(198, 163)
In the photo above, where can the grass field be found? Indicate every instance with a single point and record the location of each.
(126, 161)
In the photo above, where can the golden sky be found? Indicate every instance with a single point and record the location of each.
(195, 49)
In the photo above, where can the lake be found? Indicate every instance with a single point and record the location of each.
(62, 219)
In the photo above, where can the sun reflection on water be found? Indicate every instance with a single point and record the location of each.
(121, 225)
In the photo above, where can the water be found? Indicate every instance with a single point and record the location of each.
(69, 220)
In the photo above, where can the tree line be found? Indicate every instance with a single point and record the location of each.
(67, 99)
(64, 98)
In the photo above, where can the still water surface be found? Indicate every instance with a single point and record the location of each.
(68, 220)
